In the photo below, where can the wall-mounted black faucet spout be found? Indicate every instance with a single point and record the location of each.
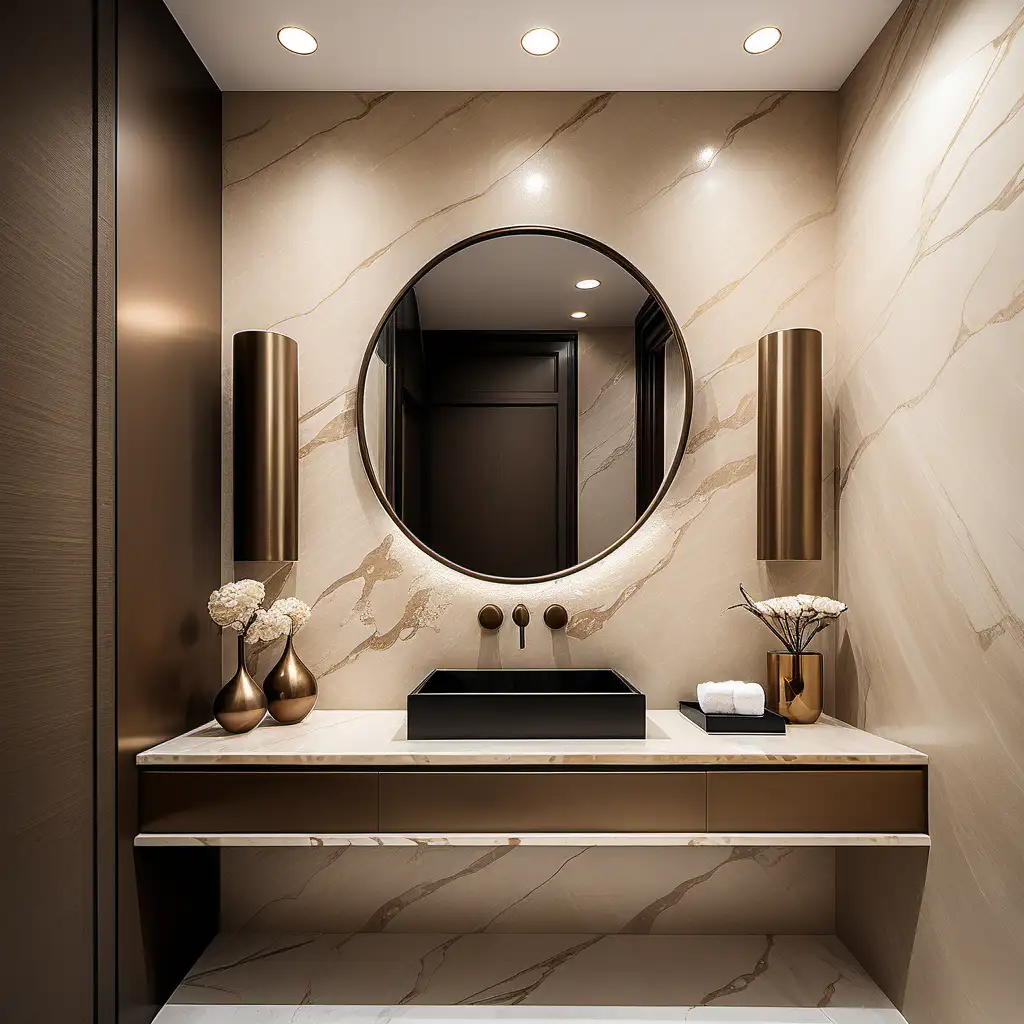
(521, 617)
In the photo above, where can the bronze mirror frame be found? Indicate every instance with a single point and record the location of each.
(670, 473)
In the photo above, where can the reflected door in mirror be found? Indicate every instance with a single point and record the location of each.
(516, 423)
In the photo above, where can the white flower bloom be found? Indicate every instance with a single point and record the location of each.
(268, 626)
(298, 612)
(827, 607)
(233, 604)
(791, 607)
(781, 607)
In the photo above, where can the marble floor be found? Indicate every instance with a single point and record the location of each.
(257, 978)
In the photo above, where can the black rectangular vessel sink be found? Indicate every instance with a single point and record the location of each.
(509, 704)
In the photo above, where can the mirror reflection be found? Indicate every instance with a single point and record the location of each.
(522, 404)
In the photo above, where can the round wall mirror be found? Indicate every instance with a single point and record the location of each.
(524, 404)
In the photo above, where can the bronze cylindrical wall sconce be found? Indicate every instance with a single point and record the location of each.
(266, 444)
(789, 445)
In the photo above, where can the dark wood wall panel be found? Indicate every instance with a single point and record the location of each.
(46, 512)
(168, 470)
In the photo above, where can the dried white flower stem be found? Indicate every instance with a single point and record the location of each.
(796, 621)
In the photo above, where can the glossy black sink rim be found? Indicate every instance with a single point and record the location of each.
(573, 703)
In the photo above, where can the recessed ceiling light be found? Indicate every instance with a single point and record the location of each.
(578, 315)
(540, 41)
(762, 40)
(587, 283)
(707, 155)
(298, 40)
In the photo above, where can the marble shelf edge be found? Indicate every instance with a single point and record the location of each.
(369, 739)
(572, 839)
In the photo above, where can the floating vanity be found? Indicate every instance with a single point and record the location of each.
(352, 778)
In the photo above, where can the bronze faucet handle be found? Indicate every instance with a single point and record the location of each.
(490, 617)
(556, 617)
(521, 617)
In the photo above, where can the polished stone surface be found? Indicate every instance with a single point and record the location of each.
(541, 979)
(333, 201)
(607, 436)
(528, 889)
(930, 385)
(378, 738)
(574, 839)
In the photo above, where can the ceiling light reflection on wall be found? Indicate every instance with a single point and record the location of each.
(535, 183)
(298, 40)
(578, 315)
(587, 283)
(762, 40)
(540, 41)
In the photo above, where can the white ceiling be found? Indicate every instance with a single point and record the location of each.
(474, 44)
(526, 283)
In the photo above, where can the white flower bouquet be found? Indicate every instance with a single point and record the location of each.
(796, 621)
(239, 606)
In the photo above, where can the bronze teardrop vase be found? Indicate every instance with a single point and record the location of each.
(290, 688)
(241, 704)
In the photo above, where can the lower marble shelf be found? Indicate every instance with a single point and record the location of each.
(373, 978)
(576, 839)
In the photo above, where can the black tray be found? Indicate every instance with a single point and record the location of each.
(720, 725)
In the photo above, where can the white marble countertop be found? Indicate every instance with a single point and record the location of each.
(377, 739)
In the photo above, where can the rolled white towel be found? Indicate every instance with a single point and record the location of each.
(748, 699)
(716, 698)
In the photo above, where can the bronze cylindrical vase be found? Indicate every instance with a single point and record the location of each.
(789, 445)
(290, 688)
(795, 686)
(266, 447)
(241, 704)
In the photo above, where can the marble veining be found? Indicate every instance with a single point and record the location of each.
(574, 839)
(744, 979)
(606, 436)
(516, 888)
(929, 390)
(334, 201)
(378, 738)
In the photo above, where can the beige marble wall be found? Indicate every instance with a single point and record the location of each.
(333, 201)
(930, 379)
(529, 890)
(607, 436)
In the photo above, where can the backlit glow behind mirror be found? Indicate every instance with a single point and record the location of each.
(510, 433)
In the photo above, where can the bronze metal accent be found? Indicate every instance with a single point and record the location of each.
(266, 446)
(490, 617)
(521, 617)
(794, 687)
(241, 704)
(220, 800)
(830, 800)
(605, 250)
(555, 617)
(789, 445)
(563, 801)
(290, 688)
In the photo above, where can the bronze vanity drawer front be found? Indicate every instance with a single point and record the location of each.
(564, 801)
(258, 801)
(840, 800)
